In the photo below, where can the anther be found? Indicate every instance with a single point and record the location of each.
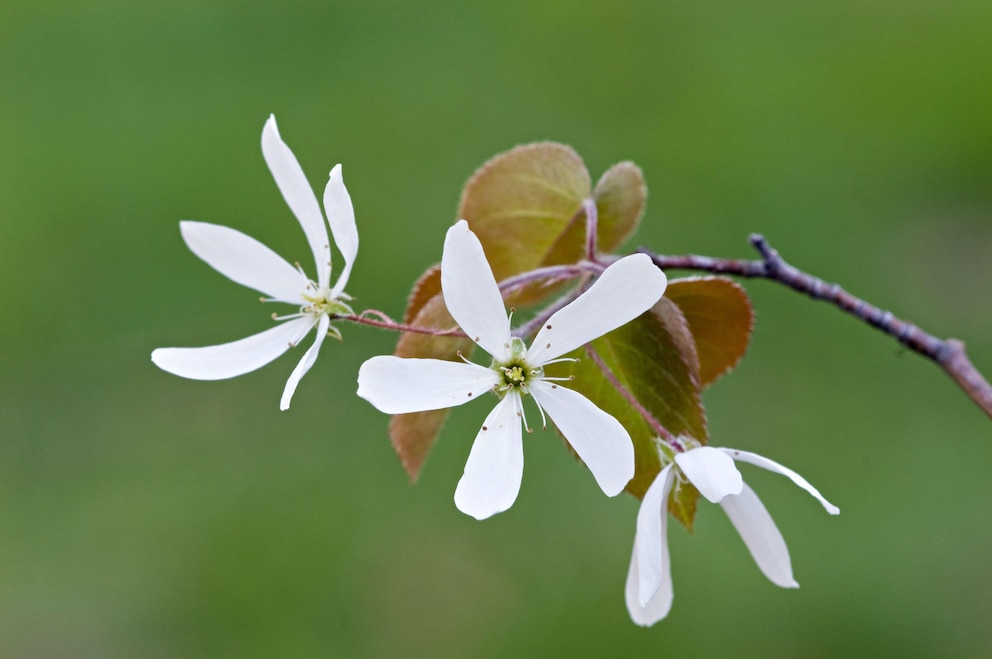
(484, 428)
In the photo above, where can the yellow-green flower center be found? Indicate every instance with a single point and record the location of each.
(515, 371)
(321, 303)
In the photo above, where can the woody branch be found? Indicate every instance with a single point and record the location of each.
(950, 354)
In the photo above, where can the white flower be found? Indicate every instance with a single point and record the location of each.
(494, 469)
(713, 473)
(250, 263)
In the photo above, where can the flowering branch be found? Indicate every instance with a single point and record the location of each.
(948, 353)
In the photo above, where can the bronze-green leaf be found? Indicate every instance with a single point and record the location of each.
(423, 290)
(720, 318)
(526, 207)
(520, 201)
(620, 196)
(654, 359)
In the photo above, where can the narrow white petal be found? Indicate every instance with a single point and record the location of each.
(495, 465)
(471, 293)
(244, 260)
(597, 437)
(651, 542)
(771, 465)
(623, 292)
(232, 359)
(305, 363)
(397, 386)
(761, 536)
(712, 471)
(298, 194)
(657, 607)
(341, 217)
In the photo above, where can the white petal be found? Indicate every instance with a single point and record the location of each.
(244, 260)
(623, 292)
(495, 465)
(397, 386)
(304, 365)
(598, 438)
(231, 359)
(658, 606)
(761, 536)
(712, 471)
(771, 465)
(471, 293)
(651, 542)
(341, 217)
(299, 196)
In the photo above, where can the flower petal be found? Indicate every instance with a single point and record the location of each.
(651, 545)
(471, 293)
(341, 218)
(771, 465)
(305, 363)
(495, 465)
(228, 360)
(761, 536)
(299, 196)
(712, 471)
(397, 386)
(623, 292)
(244, 260)
(597, 437)
(658, 606)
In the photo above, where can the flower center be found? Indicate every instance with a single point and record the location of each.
(515, 371)
(321, 303)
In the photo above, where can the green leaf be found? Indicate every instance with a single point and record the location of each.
(720, 318)
(414, 434)
(654, 359)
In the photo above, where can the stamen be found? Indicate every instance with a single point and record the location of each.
(560, 360)
(544, 419)
(289, 317)
(523, 417)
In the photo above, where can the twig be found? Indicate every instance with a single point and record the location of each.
(949, 354)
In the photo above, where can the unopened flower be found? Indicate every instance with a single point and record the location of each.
(494, 469)
(712, 471)
(250, 263)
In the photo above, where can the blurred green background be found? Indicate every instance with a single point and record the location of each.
(145, 515)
